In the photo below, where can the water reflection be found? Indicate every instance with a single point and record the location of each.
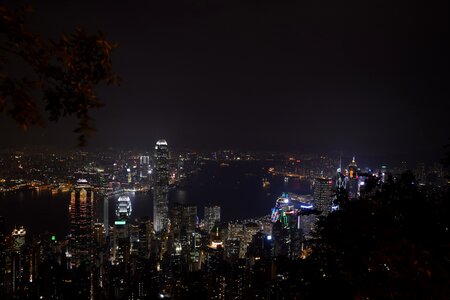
(239, 194)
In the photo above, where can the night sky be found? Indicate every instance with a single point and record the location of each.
(364, 77)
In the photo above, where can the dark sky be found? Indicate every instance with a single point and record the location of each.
(364, 77)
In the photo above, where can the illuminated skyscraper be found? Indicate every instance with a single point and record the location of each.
(145, 237)
(144, 166)
(353, 189)
(18, 238)
(341, 180)
(212, 216)
(287, 228)
(123, 210)
(323, 195)
(183, 219)
(121, 238)
(81, 234)
(161, 187)
(106, 215)
(352, 168)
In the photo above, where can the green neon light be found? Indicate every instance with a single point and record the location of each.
(120, 222)
(53, 238)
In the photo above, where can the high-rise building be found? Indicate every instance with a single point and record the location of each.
(190, 218)
(183, 223)
(145, 237)
(352, 184)
(18, 238)
(250, 229)
(352, 168)
(323, 195)
(161, 187)
(106, 215)
(121, 242)
(123, 210)
(286, 230)
(144, 166)
(18, 264)
(122, 231)
(81, 234)
(236, 238)
(212, 216)
(341, 180)
(99, 234)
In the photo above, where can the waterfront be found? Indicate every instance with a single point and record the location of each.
(237, 188)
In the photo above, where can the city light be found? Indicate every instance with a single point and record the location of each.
(224, 150)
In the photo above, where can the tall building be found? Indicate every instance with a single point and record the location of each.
(235, 240)
(123, 210)
(212, 216)
(145, 237)
(323, 195)
(106, 215)
(286, 218)
(183, 223)
(17, 265)
(353, 187)
(122, 231)
(99, 234)
(121, 242)
(352, 168)
(341, 180)
(81, 232)
(18, 238)
(144, 166)
(161, 187)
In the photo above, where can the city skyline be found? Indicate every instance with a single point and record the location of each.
(87, 216)
(224, 149)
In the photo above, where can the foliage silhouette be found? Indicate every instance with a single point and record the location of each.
(65, 73)
(392, 245)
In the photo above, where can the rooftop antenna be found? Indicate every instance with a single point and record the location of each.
(340, 163)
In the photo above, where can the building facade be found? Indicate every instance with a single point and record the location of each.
(161, 187)
(323, 195)
(81, 218)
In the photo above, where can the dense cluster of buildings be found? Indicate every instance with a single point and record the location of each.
(174, 254)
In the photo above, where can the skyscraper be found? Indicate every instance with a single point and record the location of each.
(352, 168)
(144, 166)
(323, 195)
(161, 186)
(212, 216)
(353, 190)
(18, 238)
(106, 214)
(122, 231)
(123, 209)
(81, 235)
